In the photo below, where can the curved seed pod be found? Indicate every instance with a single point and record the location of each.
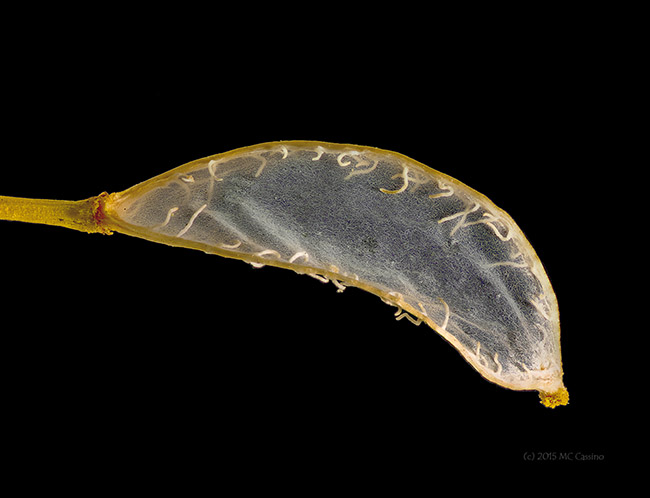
(424, 242)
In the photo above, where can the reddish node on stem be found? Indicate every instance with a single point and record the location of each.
(99, 215)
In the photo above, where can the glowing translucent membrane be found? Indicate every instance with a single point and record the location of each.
(424, 242)
(374, 219)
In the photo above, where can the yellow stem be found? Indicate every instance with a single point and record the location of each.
(86, 215)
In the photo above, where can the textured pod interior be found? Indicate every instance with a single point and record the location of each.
(375, 219)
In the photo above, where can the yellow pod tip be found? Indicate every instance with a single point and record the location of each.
(558, 398)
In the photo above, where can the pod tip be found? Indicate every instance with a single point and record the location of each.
(557, 398)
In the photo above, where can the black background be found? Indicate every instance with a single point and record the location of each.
(128, 358)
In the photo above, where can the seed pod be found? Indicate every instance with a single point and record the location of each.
(422, 241)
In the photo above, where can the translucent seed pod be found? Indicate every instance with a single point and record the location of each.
(440, 252)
